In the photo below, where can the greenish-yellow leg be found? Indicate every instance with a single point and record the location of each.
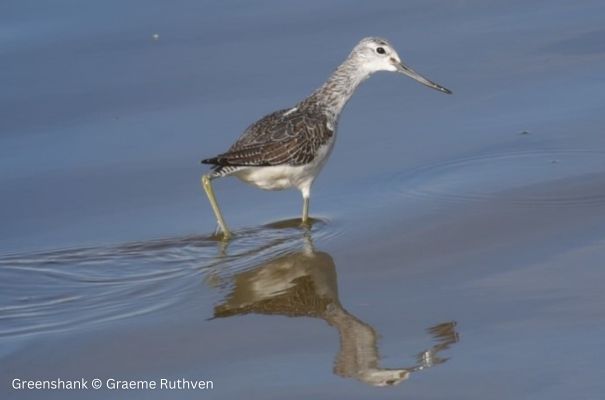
(305, 213)
(207, 185)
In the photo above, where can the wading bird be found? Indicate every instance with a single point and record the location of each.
(289, 147)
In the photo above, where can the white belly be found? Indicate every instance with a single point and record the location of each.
(281, 177)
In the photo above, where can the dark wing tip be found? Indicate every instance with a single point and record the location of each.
(213, 161)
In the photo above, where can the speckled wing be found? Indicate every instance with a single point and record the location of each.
(284, 137)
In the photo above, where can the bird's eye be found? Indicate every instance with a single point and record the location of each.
(380, 50)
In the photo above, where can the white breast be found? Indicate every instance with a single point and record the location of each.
(281, 177)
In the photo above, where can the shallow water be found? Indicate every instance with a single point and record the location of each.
(458, 242)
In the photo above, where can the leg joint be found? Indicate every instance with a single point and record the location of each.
(206, 178)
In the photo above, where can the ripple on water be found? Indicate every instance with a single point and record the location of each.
(540, 178)
(69, 289)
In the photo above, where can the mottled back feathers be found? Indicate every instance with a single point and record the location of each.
(285, 137)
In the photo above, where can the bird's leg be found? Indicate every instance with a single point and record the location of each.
(305, 213)
(207, 185)
(306, 194)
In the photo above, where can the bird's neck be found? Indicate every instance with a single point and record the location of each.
(333, 95)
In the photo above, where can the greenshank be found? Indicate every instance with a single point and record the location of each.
(288, 148)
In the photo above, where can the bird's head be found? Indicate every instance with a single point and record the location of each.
(375, 54)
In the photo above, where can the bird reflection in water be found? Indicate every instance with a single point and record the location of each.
(304, 284)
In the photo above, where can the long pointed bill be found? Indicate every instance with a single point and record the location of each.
(404, 69)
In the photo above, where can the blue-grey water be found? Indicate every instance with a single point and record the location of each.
(458, 245)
